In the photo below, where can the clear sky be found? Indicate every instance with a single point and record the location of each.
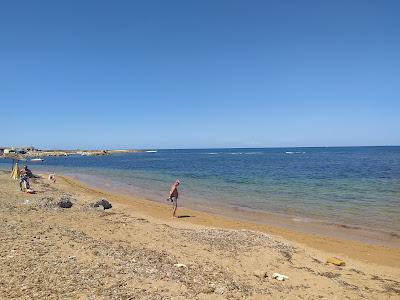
(188, 74)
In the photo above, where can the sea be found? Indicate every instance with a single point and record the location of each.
(349, 186)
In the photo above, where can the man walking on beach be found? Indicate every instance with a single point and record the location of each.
(173, 196)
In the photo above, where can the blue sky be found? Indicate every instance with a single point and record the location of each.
(189, 74)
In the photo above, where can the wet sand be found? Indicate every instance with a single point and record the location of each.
(131, 251)
(351, 232)
(383, 247)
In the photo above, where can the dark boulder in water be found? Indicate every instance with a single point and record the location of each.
(102, 202)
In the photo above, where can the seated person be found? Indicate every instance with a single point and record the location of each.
(23, 180)
(28, 172)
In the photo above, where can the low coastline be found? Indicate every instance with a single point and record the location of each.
(29, 154)
(137, 250)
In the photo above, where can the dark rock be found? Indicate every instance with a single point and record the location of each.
(65, 202)
(102, 202)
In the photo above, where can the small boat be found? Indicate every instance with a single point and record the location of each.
(37, 159)
(151, 151)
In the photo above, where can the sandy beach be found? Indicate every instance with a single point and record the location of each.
(136, 251)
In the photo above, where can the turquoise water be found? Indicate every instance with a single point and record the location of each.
(350, 185)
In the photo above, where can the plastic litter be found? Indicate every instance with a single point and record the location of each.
(335, 261)
(280, 277)
(180, 265)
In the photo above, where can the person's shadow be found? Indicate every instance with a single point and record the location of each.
(185, 216)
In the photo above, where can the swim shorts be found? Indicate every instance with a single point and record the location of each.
(174, 201)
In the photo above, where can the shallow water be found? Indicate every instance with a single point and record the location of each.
(351, 185)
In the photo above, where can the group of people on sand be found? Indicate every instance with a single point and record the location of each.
(24, 175)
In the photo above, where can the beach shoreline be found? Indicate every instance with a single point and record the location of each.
(137, 250)
(293, 223)
(369, 252)
(330, 193)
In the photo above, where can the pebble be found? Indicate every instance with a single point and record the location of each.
(260, 274)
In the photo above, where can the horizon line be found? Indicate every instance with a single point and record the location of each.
(201, 148)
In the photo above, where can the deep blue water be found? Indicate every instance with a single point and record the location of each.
(351, 185)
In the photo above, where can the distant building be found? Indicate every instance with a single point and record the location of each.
(27, 149)
(8, 150)
(22, 150)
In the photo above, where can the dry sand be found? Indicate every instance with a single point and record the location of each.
(130, 252)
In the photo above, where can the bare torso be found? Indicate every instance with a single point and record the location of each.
(174, 191)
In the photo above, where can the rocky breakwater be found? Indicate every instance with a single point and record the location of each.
(46, 153)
